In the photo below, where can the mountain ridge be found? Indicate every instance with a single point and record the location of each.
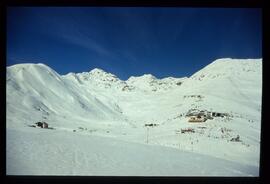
(88, 89)
(98, 104)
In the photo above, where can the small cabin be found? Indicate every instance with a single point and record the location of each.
(39, 124)
(217, 114)
(42, 124)
(151, 124)
(45, 125)
(197, 119)
(188, 130)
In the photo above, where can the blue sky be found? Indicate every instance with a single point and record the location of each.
(130, 41)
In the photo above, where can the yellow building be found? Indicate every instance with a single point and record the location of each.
(197, 119)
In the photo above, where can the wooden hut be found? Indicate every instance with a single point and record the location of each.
(44, 125)
(39, 124)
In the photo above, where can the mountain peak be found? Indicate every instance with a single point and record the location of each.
(97, 71)
(228, 67)
(142, 77)
(150, 76)
(228, 60)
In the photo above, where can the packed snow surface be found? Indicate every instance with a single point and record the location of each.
(101, 125)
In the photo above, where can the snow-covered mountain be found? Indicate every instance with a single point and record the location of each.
(149, 82)
(97, 106)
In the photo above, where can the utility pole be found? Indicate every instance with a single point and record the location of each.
(147, 135)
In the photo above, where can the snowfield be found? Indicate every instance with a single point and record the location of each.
(98, 123)
(33, 152)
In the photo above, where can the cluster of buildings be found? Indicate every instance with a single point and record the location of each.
(196, 115)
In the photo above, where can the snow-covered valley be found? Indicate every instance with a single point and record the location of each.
(102, 125)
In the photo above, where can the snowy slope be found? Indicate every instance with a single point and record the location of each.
(243, 76)
(97, 106)
(148, 82)
(40, 91)
(45, 152)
